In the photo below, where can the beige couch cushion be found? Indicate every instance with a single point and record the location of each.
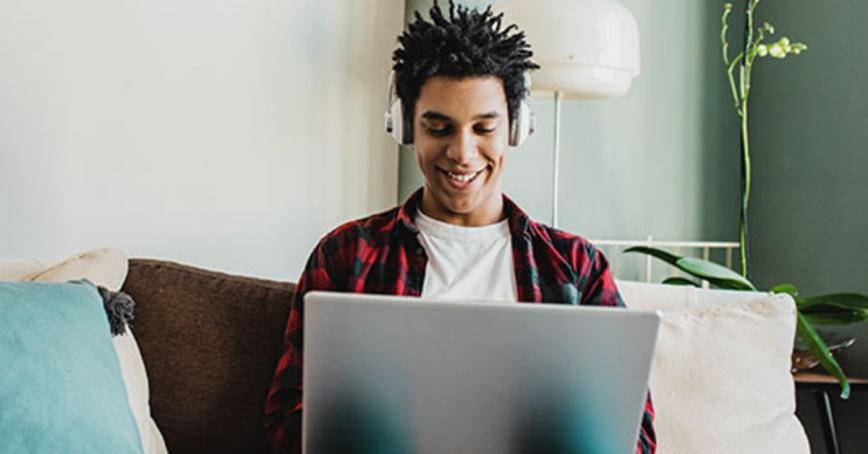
(105, 267)
(16, 270)
(721, 379)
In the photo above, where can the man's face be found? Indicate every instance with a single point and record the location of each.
(461, 135)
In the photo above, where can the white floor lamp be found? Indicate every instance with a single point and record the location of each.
(588, 49)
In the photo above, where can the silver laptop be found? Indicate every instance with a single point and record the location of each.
(387, 374)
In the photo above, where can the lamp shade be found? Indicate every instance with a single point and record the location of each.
(588, 49)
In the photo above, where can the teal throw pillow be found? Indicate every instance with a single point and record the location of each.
(61, 388)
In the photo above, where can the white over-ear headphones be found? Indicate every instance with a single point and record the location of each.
(402, 130)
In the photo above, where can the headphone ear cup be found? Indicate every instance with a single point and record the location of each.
(400, 130)
(531, 124)
(523, 126)
(525, 120)
(396, 121)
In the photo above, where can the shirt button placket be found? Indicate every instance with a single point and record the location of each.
(418, 267)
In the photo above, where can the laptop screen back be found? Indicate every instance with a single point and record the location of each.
(386, 374)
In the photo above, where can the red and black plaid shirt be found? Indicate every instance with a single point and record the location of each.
(382, 254)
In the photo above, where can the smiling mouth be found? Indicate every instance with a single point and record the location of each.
(462, 178)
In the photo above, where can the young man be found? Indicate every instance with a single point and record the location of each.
(461, 81)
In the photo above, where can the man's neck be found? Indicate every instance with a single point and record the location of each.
(488, 212)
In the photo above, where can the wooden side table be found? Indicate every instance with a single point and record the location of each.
(822, 385)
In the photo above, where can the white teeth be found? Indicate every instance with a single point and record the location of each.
(463, 178)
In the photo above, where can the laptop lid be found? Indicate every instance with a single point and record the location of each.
(385, 374)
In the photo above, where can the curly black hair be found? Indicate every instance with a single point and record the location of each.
(467, 43)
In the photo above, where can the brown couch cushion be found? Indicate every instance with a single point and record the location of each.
(210, 342)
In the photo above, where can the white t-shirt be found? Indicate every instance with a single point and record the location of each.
(467, 262)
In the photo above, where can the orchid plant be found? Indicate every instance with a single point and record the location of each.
(755, 46)
(829, 309)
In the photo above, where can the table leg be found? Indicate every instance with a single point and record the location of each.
(830, 432)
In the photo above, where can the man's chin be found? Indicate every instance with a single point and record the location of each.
(460, 203)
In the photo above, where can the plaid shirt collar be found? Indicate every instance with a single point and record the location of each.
(519, 221)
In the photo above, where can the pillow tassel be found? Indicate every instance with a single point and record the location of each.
(119, 309)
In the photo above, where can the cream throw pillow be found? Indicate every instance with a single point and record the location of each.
(108, 268)
(721, 379)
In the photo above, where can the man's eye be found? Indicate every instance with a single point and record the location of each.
(439, 132)
(481, 130)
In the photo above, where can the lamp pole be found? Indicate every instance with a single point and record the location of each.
(556, 156)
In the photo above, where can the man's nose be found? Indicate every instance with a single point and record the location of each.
(463, 148)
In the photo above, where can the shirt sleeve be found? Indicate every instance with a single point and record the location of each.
(599, 289)
(283, 404)
(595, 278)
(647, 443)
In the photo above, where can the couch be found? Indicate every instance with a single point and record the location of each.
(210, 342)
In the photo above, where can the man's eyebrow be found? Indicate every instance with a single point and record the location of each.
(487, 115)
(430, 115)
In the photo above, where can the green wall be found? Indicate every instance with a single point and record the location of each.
(809, 114)
(809, 213)
(810, 120)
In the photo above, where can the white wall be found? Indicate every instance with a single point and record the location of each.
(229, 134)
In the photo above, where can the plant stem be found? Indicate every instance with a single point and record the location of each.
(745, 194)
(744, 79)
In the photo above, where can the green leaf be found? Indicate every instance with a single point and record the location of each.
(819, 309)
(818, 348)
(676, 280)
(842, 300)
(837, 317)
(789, 289)
(654, 252)
(717, 275)
(824, 309)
